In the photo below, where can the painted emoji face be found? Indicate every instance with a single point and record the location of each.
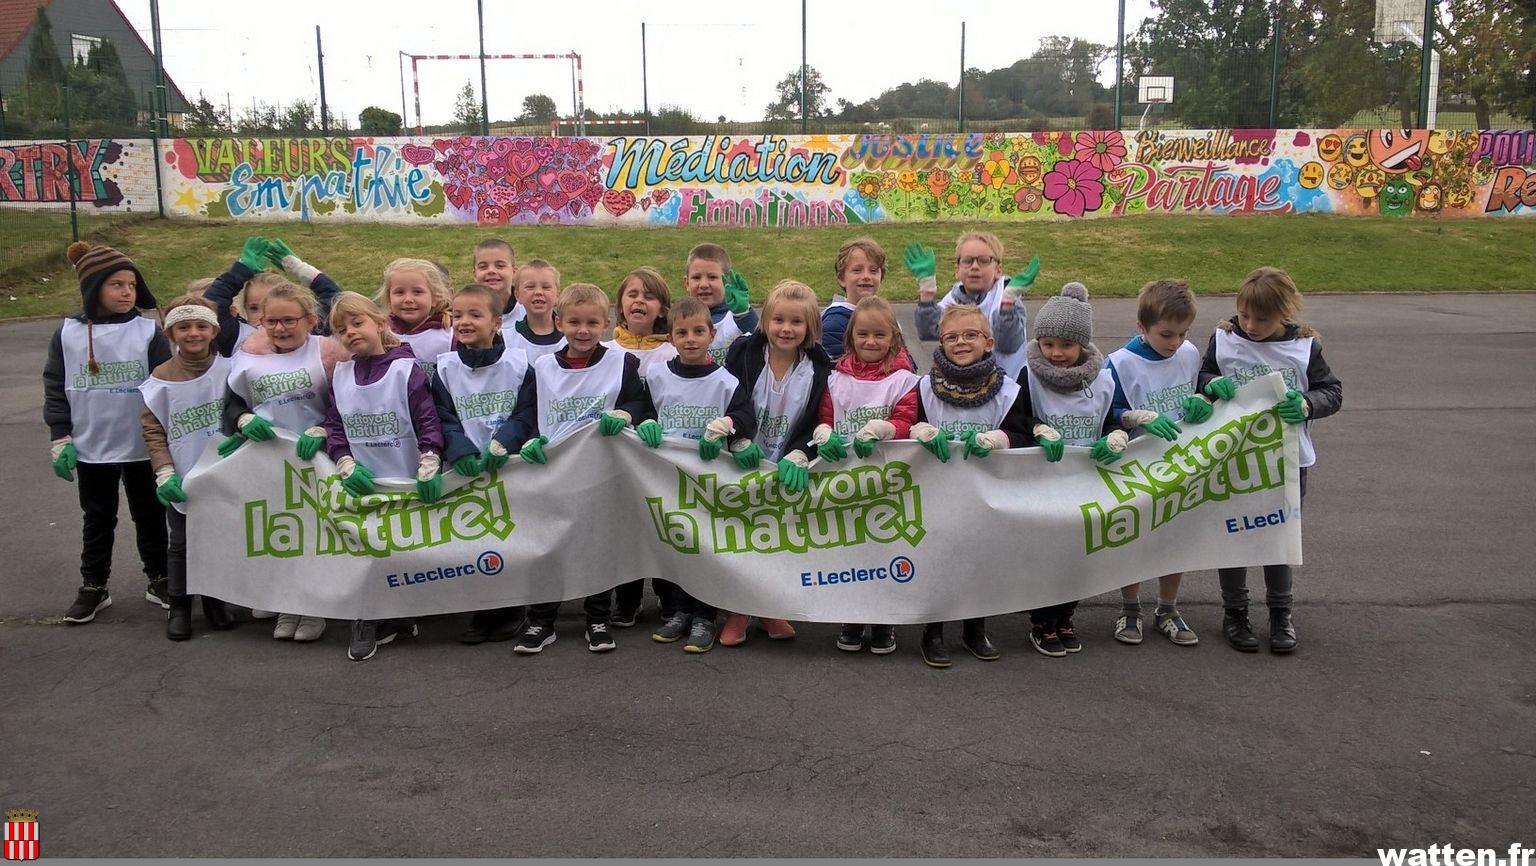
(1440, 141)
(1311, 176)
(1429, 197)
(1458, 196)
(1339, 175)
(1356, 151)
(1030, 169)
(1330, 146)
(1482, 170)
(1368, 181)
(1398, 150)
(1396, 198)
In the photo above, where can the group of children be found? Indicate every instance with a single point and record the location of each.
(420, 380)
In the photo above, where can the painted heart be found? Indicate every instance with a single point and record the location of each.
(592, 195)
(572, 181)
(417, 155)
(501, 194)
(660, 196)
(501, 146)
(619, 201)
(458, 195)
(491, 215)
(496, 169)
(522, 164)
(443, 145)
(645, 203)
(548, 179)
(576, 208)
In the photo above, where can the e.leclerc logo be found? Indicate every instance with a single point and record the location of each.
(898, 570)
(487, 563)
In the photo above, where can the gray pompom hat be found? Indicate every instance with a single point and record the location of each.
(1067, 316)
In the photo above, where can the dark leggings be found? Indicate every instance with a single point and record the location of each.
(98, 484)
(1278, 579)
(176, 552)
(595, 606)
(1054, 615)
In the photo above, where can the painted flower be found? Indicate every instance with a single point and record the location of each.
(938, 181)
(1059, 140)
(1074, 187)
(996, 171)
(907, 181)
(869, 187)
(887, 181)
(952, 198)
(1028, 199)
(1104, 150)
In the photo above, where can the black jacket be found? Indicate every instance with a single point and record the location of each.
(1325, 393)
(56, 412)
(746, 359)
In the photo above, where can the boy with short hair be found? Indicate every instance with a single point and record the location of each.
(860, 271)
(1155, 375)
(711, 279)
(591, 383)
(495, 267)
(476, 388)
(537, 332)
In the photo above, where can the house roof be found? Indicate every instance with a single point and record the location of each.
(15, 20)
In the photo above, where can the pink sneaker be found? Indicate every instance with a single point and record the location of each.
(735, 631)
(778, 629)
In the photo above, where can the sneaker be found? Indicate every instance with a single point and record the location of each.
(90, 601)
(1170, 623)
(734, 632)
(1128, 628)
(158, 591)
(701, 635)
(534, 639)
(365, 640)
(1047, 642)
(310, 628)
(672, 628)
(882, 639)
(625, 618)
(599, 639)
(851, 638)
(287, 624)
(1068, 636)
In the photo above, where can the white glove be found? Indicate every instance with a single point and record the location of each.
(719, 429)
(300, 268)
(927, 287)
(798, 458)
(308, 431)
(741, 444)
(922, 431)
(346, 466)
(876, 428)
(56, 447)
(1130, 419)
(164, 473)
(497, 448)
(429, 466)
(822, 434)
(247, 416)
(1046, 432)
(1117, 440)
(620, 413)
(993, 440)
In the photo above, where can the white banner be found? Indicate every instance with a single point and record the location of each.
(899, 538)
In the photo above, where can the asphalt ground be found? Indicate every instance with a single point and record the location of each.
(1407, 717)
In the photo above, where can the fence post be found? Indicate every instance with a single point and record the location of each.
(1274, 71)
(960, 91)
(1119, 63)
(69, 166)
(1425, 49)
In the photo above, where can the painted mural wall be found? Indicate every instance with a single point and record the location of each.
(792, 181)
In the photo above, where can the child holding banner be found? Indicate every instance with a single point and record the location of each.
(872, 396)
(475, 389)
(724, 291)
(495, 267)
(979, 282)
(966, 396)
(183, 399)
(860, 270)
(91, 404)
(239, 294)
(415, 292)
(537, 333)
(1262, 338)
(1155, 375)
(582, 383)
(380, 422)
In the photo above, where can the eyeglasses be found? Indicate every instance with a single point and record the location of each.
(975, 260)
(954, 337)
(286, 324)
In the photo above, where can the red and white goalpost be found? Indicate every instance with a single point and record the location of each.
(582, 124)
(578, 85)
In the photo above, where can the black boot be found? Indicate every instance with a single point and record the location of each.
(934, 653)
(217, 614)
(1239, 631)
(1282, 632)
(974, 636)
(178, 621)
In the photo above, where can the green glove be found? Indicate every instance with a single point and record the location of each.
(1054, 448)
(792, 475)
(1221, 388)
(1022, 280)
(430, 490)
(833, 449)
(491, 462)
(709, 448)
(748, 457)
(610, 424)
(1293, 409)
(254, 254)
(277, 250)
(533, 450)
(229, 444)
(938, 446)
(1163, 427)
(64, 464)
(863, 447)
(1197, 410)
(308, 446)
(650, 433)
(258, 429)
(1102, 453)
(972, 447)
(169, 491)
(360, 482)
(469, 465)
(919, 260)
(737, 299)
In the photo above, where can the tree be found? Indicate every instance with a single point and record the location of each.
(787, 106)
(203, 118)
(1485, 55)
(262, 118)
(466, 110)
(41, 92)
(538, 108)
(299, 118)
(1219, 53)
(378, 121)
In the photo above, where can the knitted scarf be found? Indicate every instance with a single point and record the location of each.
(967, 386)
(1065, 379)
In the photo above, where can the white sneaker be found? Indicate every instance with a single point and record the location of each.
(310, 628)
(287, 623)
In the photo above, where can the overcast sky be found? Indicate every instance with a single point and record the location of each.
(712, 57)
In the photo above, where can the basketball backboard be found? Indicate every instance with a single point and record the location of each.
(1399, 20)
(1154, 89)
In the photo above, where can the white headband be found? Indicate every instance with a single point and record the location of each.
(190, 313)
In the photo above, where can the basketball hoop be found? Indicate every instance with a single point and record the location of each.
(1153, 90)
